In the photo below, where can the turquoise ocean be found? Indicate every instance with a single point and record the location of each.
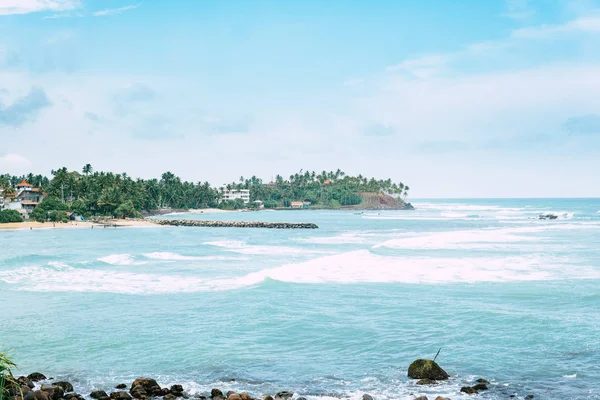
(334, 312)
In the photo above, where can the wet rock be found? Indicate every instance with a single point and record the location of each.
(73, 396)
(36, 377)
(468, 390)
(234, 396)
(170, 397)
(40, 395)
(426, 381)
(301, 398)
(24, 381)
(120, 396)
(548, 216)
(441, 398)
(216, 393)
(229, 393)
(367, 397)
(25, 389)
(480, 387)
(99, 395)
(246, 396)
(482, 380)
(66, 386)
(268, 398)
(529, 396)
(121, 386)
(422, 398)
(143, 388)
(29, 396)
(54, 392)
(284, 395)
(175, 389)
(426, 369)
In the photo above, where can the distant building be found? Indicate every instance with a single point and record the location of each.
(235, 194)
(300, 204)
(26, 199)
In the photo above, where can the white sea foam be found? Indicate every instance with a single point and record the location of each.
(120, 259)
(168, 256)
(364, 266)
(244, 248)
(573, 376)
(61, 278)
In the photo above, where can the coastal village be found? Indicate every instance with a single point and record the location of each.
(23, 198)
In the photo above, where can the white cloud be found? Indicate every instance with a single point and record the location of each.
(518, 9)
(9, 7)
(14, 164)
(422, 67)
(113, 11)
(584, 24)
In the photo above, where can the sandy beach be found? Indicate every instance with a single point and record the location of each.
(78, 224)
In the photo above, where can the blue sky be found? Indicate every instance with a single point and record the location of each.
(456, 99)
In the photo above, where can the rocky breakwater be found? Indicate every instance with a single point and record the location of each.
(236, 224)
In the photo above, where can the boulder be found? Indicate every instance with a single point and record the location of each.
(120, 396)
(422, 398)
(36, 377)
(24, 381)
(121, 386)
(170, 397)
(54, 392)
(284, 395)
(40, 395)
(25, 389)
(367, 397)
(143, 388)
(66, 386)
(482, 380)
(529, 396)
(426, 381)
(468, 390)
(216, 393)
(426, 369)
(245, 396)
(99, 395)
(268, 398)
(301, 398)
(480, 387)
(177, 389)
(441, 398)
(29, 396)
(234, 396)
(73, 396)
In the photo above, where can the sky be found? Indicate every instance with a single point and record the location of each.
(471, 98)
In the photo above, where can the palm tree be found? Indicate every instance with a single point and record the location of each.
(87, 169)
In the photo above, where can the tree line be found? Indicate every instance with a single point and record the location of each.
(92, 192)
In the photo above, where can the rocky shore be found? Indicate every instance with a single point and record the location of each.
(236, 224)
(36, 386)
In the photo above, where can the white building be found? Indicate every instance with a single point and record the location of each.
(234, 194)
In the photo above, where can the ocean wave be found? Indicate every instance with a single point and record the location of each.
(237, 246)
(354, 267)
(60, 277)
(120, 259)
(169, 256)
(351, 267)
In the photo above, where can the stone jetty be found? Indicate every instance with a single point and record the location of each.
(236, 224)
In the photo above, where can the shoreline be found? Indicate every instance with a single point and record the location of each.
(120, 223)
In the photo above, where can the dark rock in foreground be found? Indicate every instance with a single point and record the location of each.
(66, 386)
(121, 386)
(36, 377)
(426, 369)
(236, 224)
(99, 395)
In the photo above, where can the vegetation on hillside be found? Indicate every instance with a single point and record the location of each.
(108, 194)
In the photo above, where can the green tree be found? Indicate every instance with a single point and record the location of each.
(7, 216)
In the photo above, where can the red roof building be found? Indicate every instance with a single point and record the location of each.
(23, 184)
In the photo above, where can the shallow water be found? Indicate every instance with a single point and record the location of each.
(338, 311)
